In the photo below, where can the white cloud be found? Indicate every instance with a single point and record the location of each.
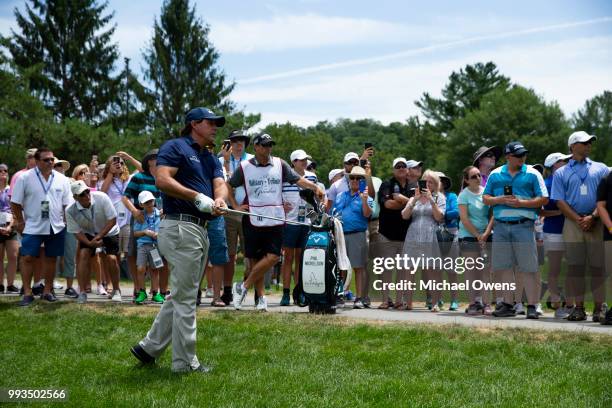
(568, 71)
(290, 32)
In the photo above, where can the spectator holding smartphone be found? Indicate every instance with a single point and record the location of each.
(355, 207)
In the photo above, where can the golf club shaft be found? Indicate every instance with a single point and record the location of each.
(230, 211)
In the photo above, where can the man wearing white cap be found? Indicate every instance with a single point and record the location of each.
(93, 218)
(553, 233)
(575, 189)
(294, 236)
(351, 159)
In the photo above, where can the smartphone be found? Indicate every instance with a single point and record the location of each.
(422, 185)
(367, 145)
(507, 190)
(362, 185)
(94, 157)
(226, 144)
(116, 159)
(362, 162)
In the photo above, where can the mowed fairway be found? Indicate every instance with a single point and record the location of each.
(291, 360)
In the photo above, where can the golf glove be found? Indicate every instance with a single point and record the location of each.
(204, 203)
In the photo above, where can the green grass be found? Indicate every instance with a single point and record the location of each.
(289, 360)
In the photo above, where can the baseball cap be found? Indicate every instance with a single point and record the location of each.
(263, 139)
(515, 148)
(400, 160)
(580, 137)
(204, 113)
(77, 187)
(553, 158)
(333, 173)
(299, 155)
(350, 156)
(413, 163)
(145, 196)
(30, 153)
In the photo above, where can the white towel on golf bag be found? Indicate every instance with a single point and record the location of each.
(342, 259)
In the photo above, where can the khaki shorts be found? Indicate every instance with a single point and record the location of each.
(582, 245)
(233, 229)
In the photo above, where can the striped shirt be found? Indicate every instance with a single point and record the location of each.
(142, 182)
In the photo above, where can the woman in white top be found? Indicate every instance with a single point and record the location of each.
(426, 209)
(8, 236)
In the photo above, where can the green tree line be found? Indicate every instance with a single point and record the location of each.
(63, 85)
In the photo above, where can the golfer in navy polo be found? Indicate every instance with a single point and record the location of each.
(188, 176)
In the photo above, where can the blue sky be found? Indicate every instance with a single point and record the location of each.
(311, 60)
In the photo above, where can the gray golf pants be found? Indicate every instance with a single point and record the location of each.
(185, 247)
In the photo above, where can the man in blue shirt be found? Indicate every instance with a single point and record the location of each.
(188, 175)
(575, 189)
(516, 192)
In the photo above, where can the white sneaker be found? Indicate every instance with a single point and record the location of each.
(116, 295)
(57, 285)
(82, 298)
(102, 291)
(262, 304)
(209, 293)
(239, 292)
(539, 310)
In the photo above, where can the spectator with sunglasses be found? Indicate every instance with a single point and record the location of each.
(355, 208)
(38, 202)
(392, 197)
(574, 187)
(485, 159)
(475, 228)
(93, 219)
(516, 192)
(351, 159)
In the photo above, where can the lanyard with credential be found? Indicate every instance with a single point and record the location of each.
(582, 179)
(119, 190)
(48, 186)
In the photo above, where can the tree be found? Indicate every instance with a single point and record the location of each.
(182, 66)
(71, 44)
(507, 115)
(129, 111)
(463, 93)
(596, 119)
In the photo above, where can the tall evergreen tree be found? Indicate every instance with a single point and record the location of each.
(70, 42)
(463, 93)
(182, 65)
(596, 119)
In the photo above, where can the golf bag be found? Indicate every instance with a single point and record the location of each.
(319, 276)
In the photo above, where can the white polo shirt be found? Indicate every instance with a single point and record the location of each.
(93, 219)
(31, 190)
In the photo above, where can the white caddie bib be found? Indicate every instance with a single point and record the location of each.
(263, 187)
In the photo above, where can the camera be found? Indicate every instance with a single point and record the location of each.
(507, 190)
(116, 159)
(226, 144)
(422, 185)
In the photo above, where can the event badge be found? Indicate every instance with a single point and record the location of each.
(44, 210)
(302, 213)
(583, 190)
(157, 261)
(5, 218)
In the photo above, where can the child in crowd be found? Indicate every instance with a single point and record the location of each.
(146, 240)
